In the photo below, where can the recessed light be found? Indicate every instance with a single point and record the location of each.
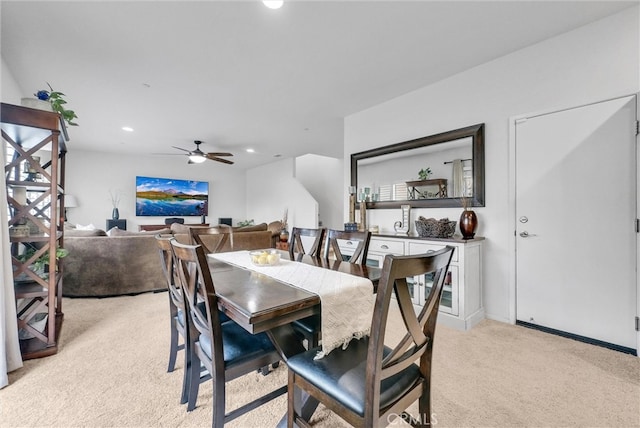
(250, 151)
(273, 4)
(127, 128)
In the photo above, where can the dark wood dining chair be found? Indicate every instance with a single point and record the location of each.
(369, 384)
(226, 350)
(178, 318)
(309, 328)
(358, 240)
(213, 239)
(314, 242)
(177, 313)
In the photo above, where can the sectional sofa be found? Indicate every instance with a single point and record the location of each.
(125, 263)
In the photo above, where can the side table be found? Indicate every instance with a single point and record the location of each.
(120, 224)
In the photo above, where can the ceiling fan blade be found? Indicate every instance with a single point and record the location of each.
(213, 158)
(219, 154)
(180, 148)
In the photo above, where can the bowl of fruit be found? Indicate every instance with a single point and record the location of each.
(265, 257)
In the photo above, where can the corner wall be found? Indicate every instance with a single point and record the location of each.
(592, 63)
(322, 177)
(272, 188)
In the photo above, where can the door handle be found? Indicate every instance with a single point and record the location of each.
(525, 234)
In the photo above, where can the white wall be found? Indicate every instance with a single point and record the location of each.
(91, 175)
(272, 188)
(322, 177)
(10, 93)
(595, 62)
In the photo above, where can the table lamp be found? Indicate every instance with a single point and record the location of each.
(70, 201)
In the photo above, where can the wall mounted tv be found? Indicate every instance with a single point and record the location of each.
(171, 197)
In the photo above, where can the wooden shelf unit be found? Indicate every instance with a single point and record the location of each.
(414, 192)
(35, 197)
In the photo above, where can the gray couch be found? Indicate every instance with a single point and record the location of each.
(127, 262)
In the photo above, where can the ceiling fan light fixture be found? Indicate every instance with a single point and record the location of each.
(273, 4)
(197, 158)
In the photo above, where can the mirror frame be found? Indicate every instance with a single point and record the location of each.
(476, 132)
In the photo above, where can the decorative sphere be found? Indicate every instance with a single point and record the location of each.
(42, 95)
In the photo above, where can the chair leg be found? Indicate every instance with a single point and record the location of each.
(424, 407)
(184, 397)
(291, 400)
(193, 378)
(173, 348)
(264, 370)
(315, 339)
(218, 401)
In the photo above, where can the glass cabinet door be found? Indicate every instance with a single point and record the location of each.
(449, 299)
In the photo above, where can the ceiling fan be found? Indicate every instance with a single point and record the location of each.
(198, 156)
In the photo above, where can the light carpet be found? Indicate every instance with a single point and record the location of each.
(110, 371)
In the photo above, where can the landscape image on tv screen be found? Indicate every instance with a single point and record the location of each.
(171, 197)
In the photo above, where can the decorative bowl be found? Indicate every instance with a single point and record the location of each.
(269, 257)
(432, 228)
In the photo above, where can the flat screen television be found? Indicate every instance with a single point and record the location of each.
(171, 197)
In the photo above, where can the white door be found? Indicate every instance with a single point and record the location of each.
(576, 221)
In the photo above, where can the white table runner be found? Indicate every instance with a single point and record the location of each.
(347, 300)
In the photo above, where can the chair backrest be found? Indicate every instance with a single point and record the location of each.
(296, 245)
(359, 239)
(213, 239)
(417, 343)
(197, 286)
(169, 271)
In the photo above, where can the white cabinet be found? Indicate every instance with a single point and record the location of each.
(461, 303)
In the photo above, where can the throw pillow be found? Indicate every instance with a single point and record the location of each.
(255, 228)
(119, 232)
(74, 233)
(87, 227)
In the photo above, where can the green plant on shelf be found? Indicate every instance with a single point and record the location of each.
(42, 261)
(57, 101)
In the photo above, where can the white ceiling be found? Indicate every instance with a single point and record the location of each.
(235, 74)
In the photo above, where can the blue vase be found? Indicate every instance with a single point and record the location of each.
(115, 214)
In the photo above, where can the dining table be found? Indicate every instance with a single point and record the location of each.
(259, 303)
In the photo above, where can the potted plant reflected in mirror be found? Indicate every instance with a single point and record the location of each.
(424, 173)
(468, 219)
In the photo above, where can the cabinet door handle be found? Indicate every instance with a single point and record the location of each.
(384, 247)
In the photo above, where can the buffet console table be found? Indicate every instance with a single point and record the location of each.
(461, 304)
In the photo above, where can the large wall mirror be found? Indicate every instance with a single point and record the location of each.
(389, 176)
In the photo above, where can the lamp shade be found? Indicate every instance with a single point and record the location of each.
(70, 201)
